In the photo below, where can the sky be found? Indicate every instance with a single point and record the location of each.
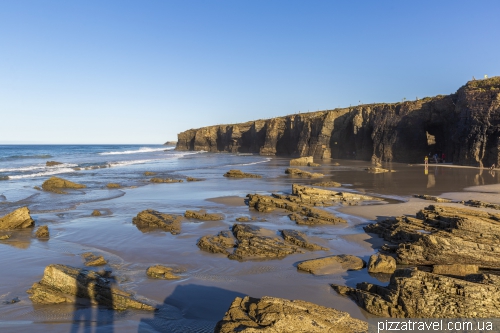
(90, 72)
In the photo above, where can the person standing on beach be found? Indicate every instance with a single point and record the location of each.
(426, 161)
(442, 158)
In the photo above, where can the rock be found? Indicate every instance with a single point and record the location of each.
(37, 188)
(313, 164)
(320, 197)
(163, 272)
(328, 184)
(302, 161)
(4, 177)
(442, 235)
(377, 170)
(430, 197)
(42, 232)
(271, 314)
(149, 173)
(223, 242)
(113, 185)
(65, 284)
(301, 173)
(166, 180)
(455, 269)
(332, 264)
(95, 212)
(191, 179)
(202, 215)
(481, 204)
(77, 168)
(243, 219)
(380, 263)
(300, 239)
(5, 236)
(149, 220)
(240, 174)
(17, 219)
(93, 260)
(52, 163)
(438, 296)
(170, 143)
(56, 185)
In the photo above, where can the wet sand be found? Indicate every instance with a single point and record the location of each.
(211, 281)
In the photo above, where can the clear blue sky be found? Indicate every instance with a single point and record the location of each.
(143, 71)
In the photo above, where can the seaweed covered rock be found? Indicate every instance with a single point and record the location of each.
(202, 215)
(17, 219)
(163, 272)
(66, 284)
(57, 185)
(149, 220)
(240, 174)
(332, 264)
(271, 314)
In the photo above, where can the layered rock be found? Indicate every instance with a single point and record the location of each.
(416, 294)
(328, 184)
(149, 220)
(302, 173)
(17, 219)
(300, 239)
(455, 269)
(57, 185)
(240, 174)
(202, 215)
(271, 314)
(464, 126)
(65, 284)
(303, 161)
(163, 272)
(380, 263)
(93, 260)
(332, 264)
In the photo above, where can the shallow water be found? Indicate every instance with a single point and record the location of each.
(211, 281)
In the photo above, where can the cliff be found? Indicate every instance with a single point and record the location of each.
(465, 126)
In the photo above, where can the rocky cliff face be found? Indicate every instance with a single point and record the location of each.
(465, 126)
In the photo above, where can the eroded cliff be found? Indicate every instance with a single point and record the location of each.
(465, 126)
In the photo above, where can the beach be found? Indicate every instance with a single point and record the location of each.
(209, 282)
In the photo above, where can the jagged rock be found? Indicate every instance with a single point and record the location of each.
(455, 269)
(223, 242)
(149, 220)
(93, 260)
(271, 314)
(430, 197)
(52, 163)
(149, 173)
(56, 185)
(481, 204)
(95, 212)
(191, 179)
(202, 215)
(165, 180)
(240, 174)
(65, 284)
(302, 161)
(442, 235)
(243, 219)
(301, 173)
(17, 219)
(300, 239)
(328, 184)
(332, 264)
(42, 232)
(163, 272)
(380, 263)
(113, 185)
(377, 170)
(416, 294)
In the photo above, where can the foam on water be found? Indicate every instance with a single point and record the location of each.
(140, 150)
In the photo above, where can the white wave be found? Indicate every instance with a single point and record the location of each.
(123, 163)
(39, 167)
(258, 162)
(140, 150)
(41, 174)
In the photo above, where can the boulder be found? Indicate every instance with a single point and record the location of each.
(202, 215)
(17, 219)
(56, 185)
(93, 260)
(66, 284)
(165, 180)
(380, 263)
(163, 272)
(301, 161)
(332, 264)
(301, 173)
(52, 163)
(300, 239)
(271, 314)
(240, 174)
(149, 220)
(96, 212)
(42, 232)
(455, 269)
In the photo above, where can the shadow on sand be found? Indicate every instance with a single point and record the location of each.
(190, 308)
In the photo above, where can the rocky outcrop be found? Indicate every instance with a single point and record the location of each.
(271, 314)
(165, 180)
(17, 219)
(432, 198)
(465, 126)
(192, 179)
(328, 184)
(93, 260)
(380, 263)
(113, 185)
(164, 272)
(416, 294)
(65, 284)
(240, 174)
(300, 239)
(42, 232)
(442, 235)
(52, 163)
(202, 215)
(96, 212)
(455, 269)
(303, 161)
(332, 264)
(57, 185)
(378, 170)
(150, 220)
(302, 173)
(223, 242)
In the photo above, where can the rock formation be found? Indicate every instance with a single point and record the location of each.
(65, 284)
(113, 185)
(165, 180)
(328, 184)
(163, 272)
(192, 179)
(17, 219)
(302, 173)
(380, 263)
(42, 232)
(149, 220)
(52, 163)
(464, 125)
(56, 185)
(96, 212)
(299, 238)
(202, 215)
(332, 264)
(93, 260)
(271, 314)
(240, 174)
(303, 161)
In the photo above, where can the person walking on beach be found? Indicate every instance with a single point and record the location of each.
(426, 161)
